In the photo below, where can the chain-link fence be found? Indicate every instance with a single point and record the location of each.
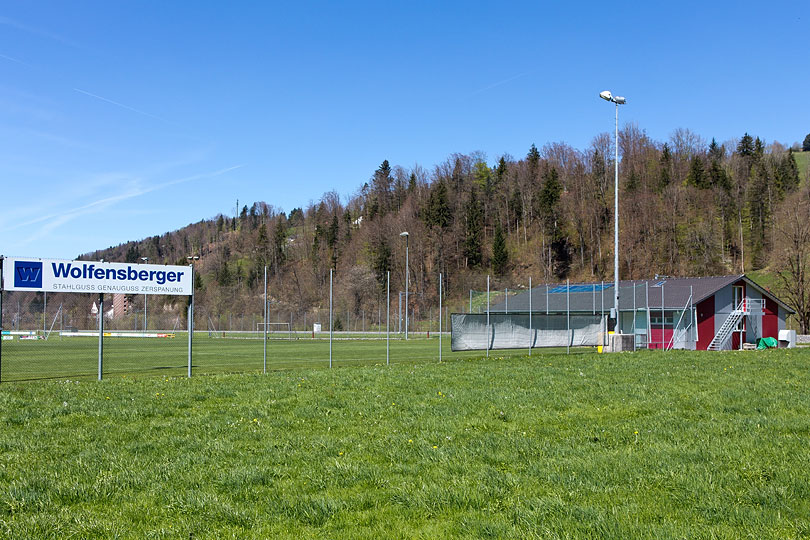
(56, 335)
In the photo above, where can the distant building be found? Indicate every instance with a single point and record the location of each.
(720, 312)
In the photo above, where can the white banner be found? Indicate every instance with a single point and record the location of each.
(52, 275)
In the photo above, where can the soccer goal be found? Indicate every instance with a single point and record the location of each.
(275, 330)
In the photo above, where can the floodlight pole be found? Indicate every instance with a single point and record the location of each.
(145, 260)
(617, 328)
(607, 96)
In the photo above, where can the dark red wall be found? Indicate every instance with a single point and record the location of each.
(705, 315)
(770, 320)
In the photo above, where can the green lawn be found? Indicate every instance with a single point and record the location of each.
(641, 445)
(77, 357)
(803, 161)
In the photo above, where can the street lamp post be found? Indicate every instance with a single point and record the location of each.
(407, 279)
(618, 100)
(145, 260)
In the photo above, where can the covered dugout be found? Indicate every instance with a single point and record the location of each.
(546, 316)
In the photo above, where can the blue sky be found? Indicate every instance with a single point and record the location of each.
(122, 120)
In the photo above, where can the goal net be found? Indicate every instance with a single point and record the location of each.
(275, 330)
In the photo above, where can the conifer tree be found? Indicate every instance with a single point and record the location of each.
(787, 174)
(474, 217)
(279, 241)
(381, 260)
(533, 157)
(262, 244)
(500, 255)
(716, 151)
(696, 176)
(745, 147)
(665, 162)
(437, 212)
(549, 198)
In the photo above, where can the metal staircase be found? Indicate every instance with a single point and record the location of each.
(747, 306)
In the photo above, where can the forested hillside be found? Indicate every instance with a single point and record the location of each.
(688, 208)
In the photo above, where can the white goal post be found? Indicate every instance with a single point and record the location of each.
(275, 328)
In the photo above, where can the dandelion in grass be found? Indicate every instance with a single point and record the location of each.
(435, 447)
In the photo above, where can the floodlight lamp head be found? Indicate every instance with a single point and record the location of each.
(619, 100)
(606, 95)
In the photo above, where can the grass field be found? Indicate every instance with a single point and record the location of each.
(642, 445)
(77, 357)
(803, 162)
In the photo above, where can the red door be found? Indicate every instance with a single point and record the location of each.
(659, 336)
(705, 313)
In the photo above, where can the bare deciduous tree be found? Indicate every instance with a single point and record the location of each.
(793, 254)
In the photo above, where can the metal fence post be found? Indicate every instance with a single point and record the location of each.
(568, 315)
(634, 315)
(694, 316)
(602, 313)
(1, 318)
(647, 302)
(387, 318)
(330, 317)
(100, 334)
(531, 334)
(440, 317)
(663, 316)
(488, 332)
(191, 321)
(264, 368)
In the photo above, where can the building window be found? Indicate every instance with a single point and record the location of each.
(668, 320)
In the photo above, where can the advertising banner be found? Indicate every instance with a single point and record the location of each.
(53, 275)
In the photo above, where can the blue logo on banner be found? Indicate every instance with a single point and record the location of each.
(28, 274)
